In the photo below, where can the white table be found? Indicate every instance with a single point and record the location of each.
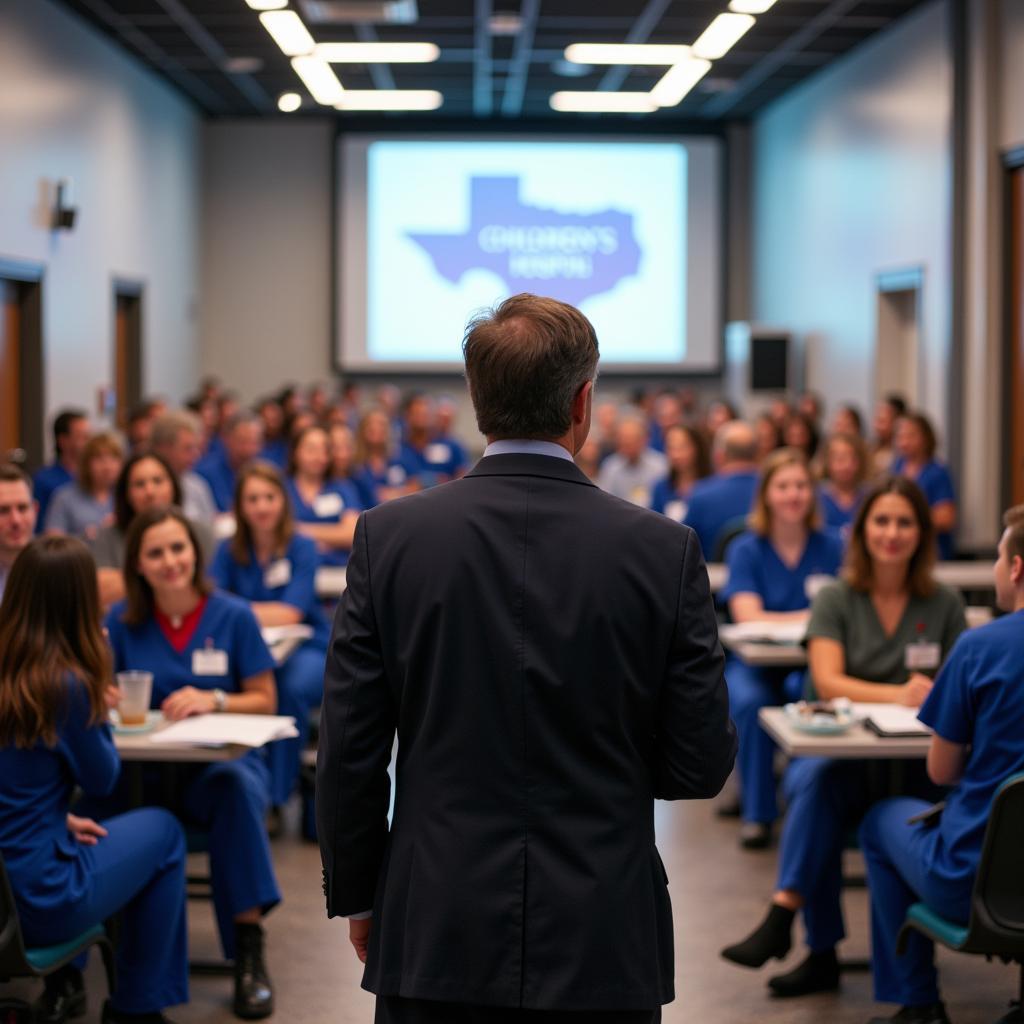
(139, 746)
(858, 743)
(765, 653)
(330, 581)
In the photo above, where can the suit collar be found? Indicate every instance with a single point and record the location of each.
(531, 465)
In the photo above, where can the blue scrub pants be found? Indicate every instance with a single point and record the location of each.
(751, 689)
(826, 800)
(300, 688)
(137, 869)
(897, 856)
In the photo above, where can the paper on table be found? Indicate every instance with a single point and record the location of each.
(220, 729)
(275, 634)
(892, 719)
(773, 632)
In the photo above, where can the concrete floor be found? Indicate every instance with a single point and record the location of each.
(718, 893)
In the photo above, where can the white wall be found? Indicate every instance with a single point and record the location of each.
(852, 177)
(74, 105)
(266, 264)
(1011, 35)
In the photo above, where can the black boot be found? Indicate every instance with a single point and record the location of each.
(254, 996)
(933, 1014)
(63, 996)
(771, 938)
(112, 1016)
(819, 972)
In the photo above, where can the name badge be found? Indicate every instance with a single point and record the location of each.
(278, 574)
(438, 453)
(208, 661)
(676, 510)
(325, 505)
(923, 656)
(396, 476)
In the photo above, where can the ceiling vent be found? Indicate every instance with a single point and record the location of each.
(360, 12)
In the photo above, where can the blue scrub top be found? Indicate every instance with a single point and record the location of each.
(717, 501)
(977, 701)
(444, 456)
(213, 467)
(276, 453)
(670, 502)
(838, 518)
(340, 495)
(755, 568)
(249, 581)
(44, 483)
(41, 855)
(399, 472)
(937, 485)
(362, 481)
(227, 624)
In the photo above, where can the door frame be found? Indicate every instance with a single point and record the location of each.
(32, 425)
(128, 288)
(902, 279)
(1013, 163)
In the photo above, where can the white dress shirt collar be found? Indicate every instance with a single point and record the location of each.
(523, 446)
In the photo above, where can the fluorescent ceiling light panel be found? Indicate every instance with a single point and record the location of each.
(287, 30)
(323, 84)
(721, 35)
(377, 53)
(289, 102)
(679, 80)
(390, 99)
(267, 5)
(625, 53)
(750, 6)
(603, 102)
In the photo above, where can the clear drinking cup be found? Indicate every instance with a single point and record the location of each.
(136, 689)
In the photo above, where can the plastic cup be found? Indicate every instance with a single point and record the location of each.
(136, 689)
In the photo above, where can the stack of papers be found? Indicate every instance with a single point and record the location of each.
(764, 632)
(218, 730)
(892, 720)
(277, 634)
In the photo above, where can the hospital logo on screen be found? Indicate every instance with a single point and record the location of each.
(570, 256)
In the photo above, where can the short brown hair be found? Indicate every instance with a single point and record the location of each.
(858, 569)
(760, 520)
(525, 362)
(98, 444)
(11, 473)
(927, 431)
(1013, 520)
(139, 603)
(241, 543)
(854, 441)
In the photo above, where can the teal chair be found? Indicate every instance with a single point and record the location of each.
(16, 961)
(996, 925)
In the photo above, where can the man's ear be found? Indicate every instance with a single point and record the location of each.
(579, 403)
(1016, 570)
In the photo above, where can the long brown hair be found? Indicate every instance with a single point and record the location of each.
(760, 519)
(242, 542)
(139, 602)
(858, 569)
(98, 444)
(50, 627)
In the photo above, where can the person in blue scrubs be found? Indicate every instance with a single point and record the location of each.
(687, 463)
(241, 441)
(976, 710)
(207, 655)
(915, 459)
(70, 433)
(769, 568)
(69, 872)
(275, 436)
(343, 464)
(274, 568)
(325, 509)
(84, 506)
(380, 463)
(878, 635)
(845, 470)
(433, 460)
(722, 500)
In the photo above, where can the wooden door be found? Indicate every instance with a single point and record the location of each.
(127, 353)
(1016, 311)
(10, 368)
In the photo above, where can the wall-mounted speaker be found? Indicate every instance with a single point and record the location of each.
(64, 212)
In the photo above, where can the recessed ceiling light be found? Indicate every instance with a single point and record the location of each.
(505, 23)
(377, 53)
(721, 35)
(267, 5)
(679, 80)
(321, 81)
(360, 12)
(625, 53)
(390, 99)
(603, 102)
(750, 6)
(289, 102)
(287, 30)
(242, 65)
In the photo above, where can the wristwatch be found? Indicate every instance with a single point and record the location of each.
(219, 699)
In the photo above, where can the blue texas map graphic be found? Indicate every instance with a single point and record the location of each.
(573, 255)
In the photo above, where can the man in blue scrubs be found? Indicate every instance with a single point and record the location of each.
(243, 441)
(70, 433)
(725, 497)
(976, 710)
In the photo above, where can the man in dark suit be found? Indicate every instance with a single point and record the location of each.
(549, 657)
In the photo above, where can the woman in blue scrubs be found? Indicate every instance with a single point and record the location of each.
(915, 459)
(273, 568)
(379, 461)
(343, 464)
(687, 463)
(768, 572)
(976, 710)
(845, 470)
(207, 655)
(70, 873)
(878, 635)
(325, 509)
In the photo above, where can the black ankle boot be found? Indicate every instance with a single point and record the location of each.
(112, 1016)
(63, 997)
(254, 996)
(771, 938)
(819, 972)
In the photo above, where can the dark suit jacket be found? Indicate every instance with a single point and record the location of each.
(549, 656)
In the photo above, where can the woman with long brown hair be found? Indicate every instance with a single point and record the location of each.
(70, 873)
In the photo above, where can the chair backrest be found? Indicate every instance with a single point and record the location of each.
(13, 963)
(727, 533)
(999, 888)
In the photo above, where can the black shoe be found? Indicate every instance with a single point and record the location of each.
(112, 1016)
(63, 997)
(275, 822)
(933, 1014)
(771, 938)
(819, 972)
(728, 806)
(755, 835)
(254, 995)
